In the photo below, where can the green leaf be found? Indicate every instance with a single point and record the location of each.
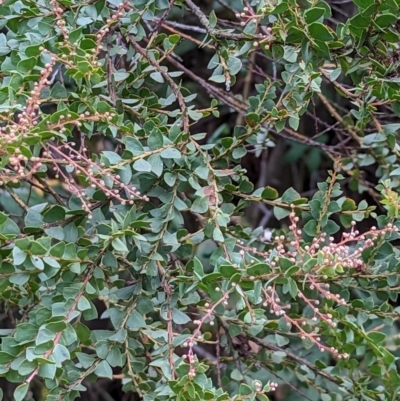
(60, 354)
(311, 228)
(25, 332)
(258, 269)
(292, 287)
(134, 146)
(19, 256)
(3, 218)
(48, 371)
(290, 195)
(25, 66)
(244, 390)
(239, 152)
(33, 218)
(202, 172)
(85, 360)
(171, 153)
(363, 4)
(5, 358)
(4, 49)
(320, 32)
(119, 245)
(227, 270)
(269, 193)
(84, 21)
(55, 232)
(251, 27)
(234, 330)
(155, 140)
(236, 375)
(120, 76)
(112, 157)
(19, 279)
(135, 321)
(294, 122)
(377, 337)
(384, 20)
(212, 19)
(21, 391)
(83, 304)
(281, 213)
(114, 357)
(158, 77)
(290, 54)
(349, 205)
(331, 227)
(37, 249)
(281, 341)
(217, 235)
(103, 369)
(200, 205)
(234, 65)
(334, 75)
(142, 165)
(179, 317)
(58, 91)
(395, 172)
(55, 213)
(313, 14)
(156, 164)
(170, 179)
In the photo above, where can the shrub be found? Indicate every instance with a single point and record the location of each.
(110, 193)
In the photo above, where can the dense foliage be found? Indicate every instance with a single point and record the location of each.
(119, 208)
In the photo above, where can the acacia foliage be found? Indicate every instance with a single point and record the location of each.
(309, 310)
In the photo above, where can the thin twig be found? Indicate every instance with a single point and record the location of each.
(219, 34)
(16, 198)
(174, 86)
(294, 358)
(51, 191)
(218, 352)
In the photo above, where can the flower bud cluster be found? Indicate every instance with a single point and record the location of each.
(325, 253)
(273, 301)
(22, 166)
(28, 118)
(60, 22)
(106, 29)
(347, 252)
(14, 131)
(95, 173)
(247, 16)
(196, 335)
